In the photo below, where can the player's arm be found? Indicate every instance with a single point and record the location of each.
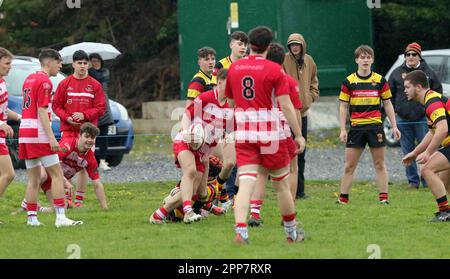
(13, 115)
(420, 148)
(100, 193)
(440, 133)
(389, 109)
(43, 116)
(99, 106)
(291, 117)
(58, 102)
(343, 108)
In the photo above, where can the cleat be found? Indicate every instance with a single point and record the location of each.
(156, 221)
(256, 222)
(66, 222)
(1, 223)
(341, 202)
(104, 166)
(218, 211)
(442, 216)
(299, 236)
(191, 217)
(34, 224)
(384, 202)
(239, 240)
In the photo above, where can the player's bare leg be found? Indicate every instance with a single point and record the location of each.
(229, 162)
(293, 177)
(437, 163)
(57, 189)
(7, 173)
(445, 177)
(257, 198)
(82, 181)
(381, 173)
(352, 156)
(31, 195)
(280, 182)
(247, 181)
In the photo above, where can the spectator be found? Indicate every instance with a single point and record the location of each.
(410, 115)
(101, 74)
(301, 66)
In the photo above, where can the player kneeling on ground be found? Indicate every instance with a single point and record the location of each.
(202, 207)
(75, 155)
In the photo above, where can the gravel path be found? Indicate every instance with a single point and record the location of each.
(321, 164)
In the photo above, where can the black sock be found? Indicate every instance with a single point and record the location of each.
(220, 180)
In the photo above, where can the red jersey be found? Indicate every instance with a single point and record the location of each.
(254, 83)
(79, 95)
(3, 107)
(33, 141)
(72, 160)
(215, 118)
(294, 92)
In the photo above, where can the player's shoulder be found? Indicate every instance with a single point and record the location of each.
(67, 144)
(432, 96)
(93, 81)
(377, 77)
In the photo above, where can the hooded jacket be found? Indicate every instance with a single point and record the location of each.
(304, 71)
(102, 76)
(410, 110)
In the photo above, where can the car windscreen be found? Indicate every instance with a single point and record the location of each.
(18, 74)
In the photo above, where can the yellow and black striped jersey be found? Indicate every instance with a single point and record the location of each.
(437, 108)
(223, 63)
(364, 95)
(201, 82)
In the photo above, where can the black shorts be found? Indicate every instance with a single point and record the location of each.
(446, 152)
(358, 138)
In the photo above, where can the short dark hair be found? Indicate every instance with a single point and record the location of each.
(49, 53)
(260, 37)
(239, 36)
(276, 53)
(418, 77)
(5, 53)
(205, 51)
(80, 55)
(364, 49)
(89, 129)
(222, 74)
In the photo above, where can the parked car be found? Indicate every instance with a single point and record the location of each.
(439, 61)
(121, 132)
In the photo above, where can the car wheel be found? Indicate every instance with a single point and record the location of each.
(13, 146)
(390, 140)
(114, 160)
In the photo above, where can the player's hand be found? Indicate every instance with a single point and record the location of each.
(301, 144)
(423, 157)
(72, 122)
(54, 145)
(8, 130)
(78, 116)
(397, 134)
(409, 158)
(343, 136)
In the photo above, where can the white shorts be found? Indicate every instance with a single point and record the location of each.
(46, 161)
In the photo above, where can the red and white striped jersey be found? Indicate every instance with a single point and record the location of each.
(72, 160)
(3, 107)
(254, 83)
(215, 118)
(33, 141)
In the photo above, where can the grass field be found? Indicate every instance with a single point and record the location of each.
(401, 230)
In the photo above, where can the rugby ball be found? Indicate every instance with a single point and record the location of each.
(198, 136)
